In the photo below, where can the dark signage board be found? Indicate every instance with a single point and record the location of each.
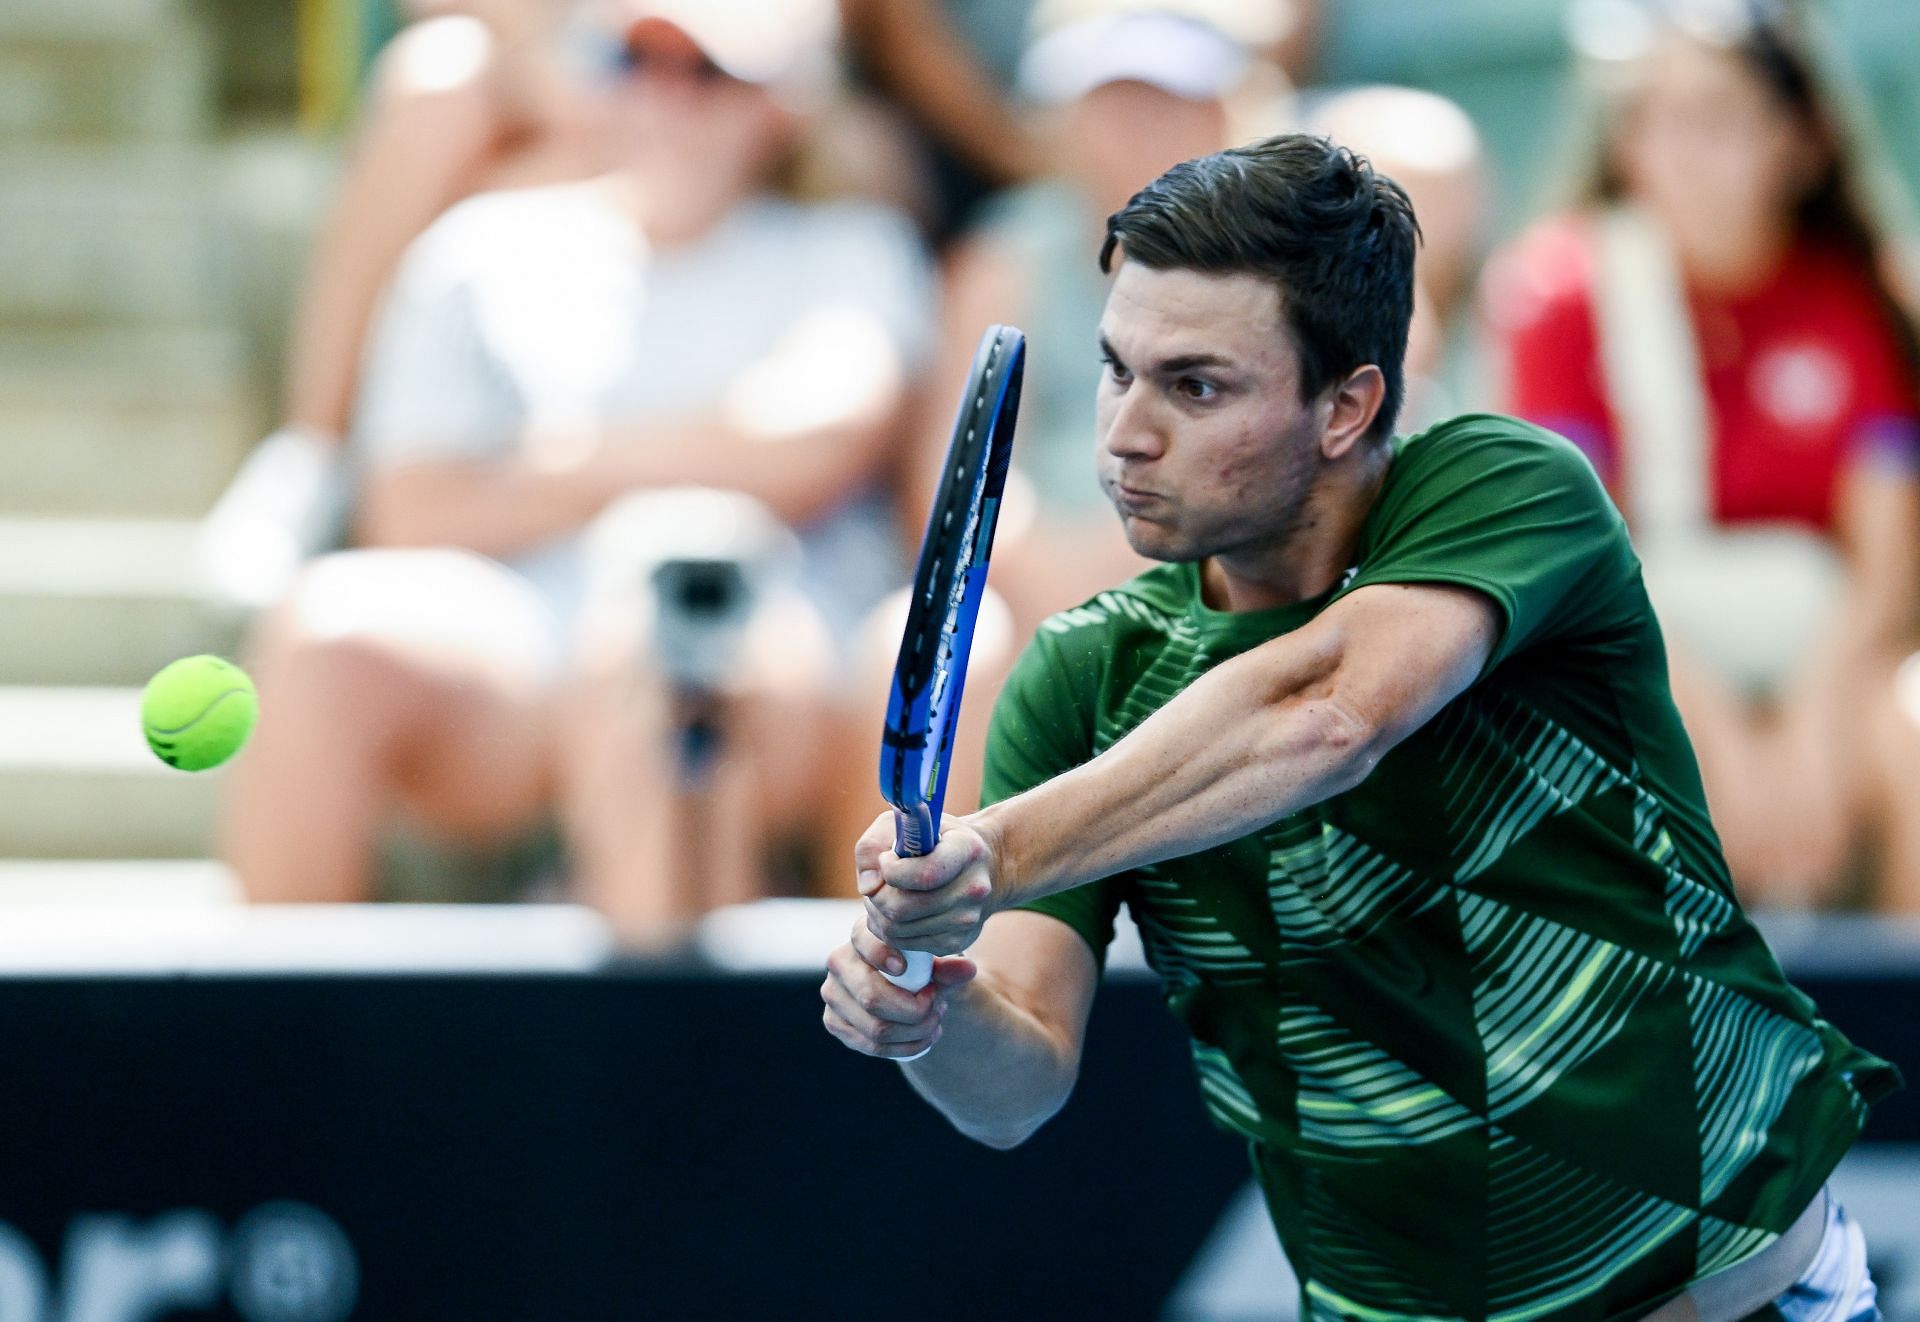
(628, 1144)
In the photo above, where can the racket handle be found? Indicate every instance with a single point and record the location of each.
(919, 971)
(913, 835)
(915, 832)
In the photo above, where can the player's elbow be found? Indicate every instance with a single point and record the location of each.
(1002, 1139)
(1004, 1133)
(1015, 1119)
(1340, 737)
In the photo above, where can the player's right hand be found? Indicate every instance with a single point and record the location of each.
(871, 1015)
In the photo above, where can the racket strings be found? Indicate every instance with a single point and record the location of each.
(928, 681)
(953, 557)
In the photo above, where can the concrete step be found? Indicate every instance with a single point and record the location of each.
(114, 234)
(103, 70)
(78, 781)
(213, 940)
(107, 601)
(97, 19)
(116, 885)
(123, 422)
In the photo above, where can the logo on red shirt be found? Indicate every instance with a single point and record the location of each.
(1803, 387)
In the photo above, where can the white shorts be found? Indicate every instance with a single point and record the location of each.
(1833, 1287)
(1836, 1286)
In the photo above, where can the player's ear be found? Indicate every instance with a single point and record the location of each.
(1353, 404)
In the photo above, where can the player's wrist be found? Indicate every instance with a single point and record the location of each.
(990, 824)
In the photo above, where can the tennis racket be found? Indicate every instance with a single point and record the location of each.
(948, 583)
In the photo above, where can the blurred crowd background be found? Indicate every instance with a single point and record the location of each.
(604, 351)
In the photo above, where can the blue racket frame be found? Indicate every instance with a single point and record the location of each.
(948, 584)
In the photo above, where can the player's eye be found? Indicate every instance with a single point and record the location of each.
(1196, 388)
(1115, 369)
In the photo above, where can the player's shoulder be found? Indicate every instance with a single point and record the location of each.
(1475, 471)
(1492, 449)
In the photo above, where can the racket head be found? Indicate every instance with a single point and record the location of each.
(949, 580)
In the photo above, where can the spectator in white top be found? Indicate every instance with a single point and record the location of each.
(543, 354)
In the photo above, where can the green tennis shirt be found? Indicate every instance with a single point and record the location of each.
(1502, 1041)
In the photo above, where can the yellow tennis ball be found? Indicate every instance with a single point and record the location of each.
(198, 711)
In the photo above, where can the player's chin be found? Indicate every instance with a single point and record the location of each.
(1156, 541)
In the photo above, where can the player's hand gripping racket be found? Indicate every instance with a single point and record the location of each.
(948, 583)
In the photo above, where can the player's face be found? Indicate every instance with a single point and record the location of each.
(1206, 447)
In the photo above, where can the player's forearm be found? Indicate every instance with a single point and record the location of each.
(998, 1073)
(1241, 747)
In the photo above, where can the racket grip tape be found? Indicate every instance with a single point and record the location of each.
(914, 834)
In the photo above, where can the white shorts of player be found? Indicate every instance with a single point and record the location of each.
(1832, 1287)
(1836, 1287)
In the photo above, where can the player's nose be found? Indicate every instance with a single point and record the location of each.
(1132, 430)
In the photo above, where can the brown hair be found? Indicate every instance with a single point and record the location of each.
(1335, 237)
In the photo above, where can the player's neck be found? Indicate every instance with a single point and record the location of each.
(1312, 556)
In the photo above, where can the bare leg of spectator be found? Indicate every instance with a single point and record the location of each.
(1812, 775)
(618, 786)
(637, 814)
(381, 694)
(853, 799)
(1892, 727)
(1728, 744)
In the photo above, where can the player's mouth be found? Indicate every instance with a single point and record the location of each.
(1132, 499)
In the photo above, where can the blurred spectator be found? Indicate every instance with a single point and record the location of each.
(948, 138)
(1712, 328)
(943, 134)
(545, 352)
(486, 94)
(1282, 33)
(475, 95)
(1129, 93)
(1426, 144)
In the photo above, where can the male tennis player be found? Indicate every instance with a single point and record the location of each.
(1383, 762)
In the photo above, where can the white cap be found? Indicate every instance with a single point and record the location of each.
(1177, 54)
(783, 44)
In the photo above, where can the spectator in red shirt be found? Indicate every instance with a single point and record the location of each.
(1714, 330)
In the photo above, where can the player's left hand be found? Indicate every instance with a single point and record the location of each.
(937, 902)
